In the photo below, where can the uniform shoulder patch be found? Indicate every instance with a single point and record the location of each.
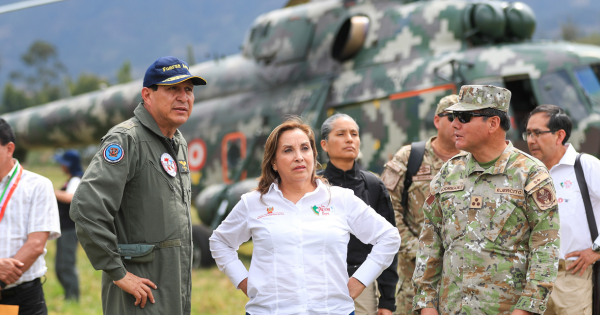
(390, 176)
(536, 181)
(113, 153)
(545, 198)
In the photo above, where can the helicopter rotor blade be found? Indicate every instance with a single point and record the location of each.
(24, 5)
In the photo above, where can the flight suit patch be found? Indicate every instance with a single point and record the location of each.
(183, 167)
(168, 164)
(113, 153)
(536, 181)
(544, 198)
(476, 202)
(391, 176)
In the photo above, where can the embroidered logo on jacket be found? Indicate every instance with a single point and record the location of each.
(322, 210)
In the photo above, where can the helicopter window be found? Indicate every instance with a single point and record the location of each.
(588, 78)
(558, 89)
(522, 101)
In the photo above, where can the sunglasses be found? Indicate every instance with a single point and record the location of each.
(449, 115)
(465, 117)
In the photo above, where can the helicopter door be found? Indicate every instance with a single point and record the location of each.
(522, 102)
(233, 152)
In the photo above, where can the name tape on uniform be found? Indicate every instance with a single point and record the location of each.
(510, 191)
(452, 188)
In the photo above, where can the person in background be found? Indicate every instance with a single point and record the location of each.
(28, 218)
(341, 141)
(300, 227)
(548, 130)
(66, 245)
(409, 216)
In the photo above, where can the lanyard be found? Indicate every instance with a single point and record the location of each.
(4, 201)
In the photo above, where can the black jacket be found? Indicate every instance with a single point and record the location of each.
(354, 179)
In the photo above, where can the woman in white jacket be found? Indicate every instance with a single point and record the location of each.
(300, 227)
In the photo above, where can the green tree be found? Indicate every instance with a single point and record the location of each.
(87, 82)
(124, 73)
(569, 31)
(40, 81)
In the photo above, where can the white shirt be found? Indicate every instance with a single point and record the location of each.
(32, 208)
(574, 231)
(299, 259)
(72, 184)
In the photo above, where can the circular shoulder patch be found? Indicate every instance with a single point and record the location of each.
(168, 164)
(113, 153)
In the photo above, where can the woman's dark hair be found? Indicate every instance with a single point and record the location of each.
(504, 120)
(268, 174)
(558, 119)
(6, 133)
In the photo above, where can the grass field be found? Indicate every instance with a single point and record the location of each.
(212, 293)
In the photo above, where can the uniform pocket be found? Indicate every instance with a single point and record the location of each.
(498, 220)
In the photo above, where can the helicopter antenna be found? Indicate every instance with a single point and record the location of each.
(24, 5)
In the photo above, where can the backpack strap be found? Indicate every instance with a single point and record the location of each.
(415, 159)
(585, 193)
(372, 185)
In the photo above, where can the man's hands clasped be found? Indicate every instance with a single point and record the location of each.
(140, 288)
(10, 270)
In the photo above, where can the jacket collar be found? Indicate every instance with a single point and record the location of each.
(143, 115)
(333, 172)
(499, 166)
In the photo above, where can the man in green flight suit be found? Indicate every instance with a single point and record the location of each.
(132, 208)
(490, 240)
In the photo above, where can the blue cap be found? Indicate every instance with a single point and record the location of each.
(168, 71)
(72, 161)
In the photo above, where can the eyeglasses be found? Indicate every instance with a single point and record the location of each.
(465, 117)
(535, 134)
(449, 115)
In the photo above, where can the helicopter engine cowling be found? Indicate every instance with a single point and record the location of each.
(210, 198)
(520, 19)
(350, 38)
(489, 19)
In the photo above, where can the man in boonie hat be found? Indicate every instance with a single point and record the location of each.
(489, 243)
(409, 186)
(132, 207)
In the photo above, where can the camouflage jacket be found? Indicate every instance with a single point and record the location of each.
(393, 176)
(490, 241)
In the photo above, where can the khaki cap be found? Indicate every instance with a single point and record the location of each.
(476, 97)
(446, 102)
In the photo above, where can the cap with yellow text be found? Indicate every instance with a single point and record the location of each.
(169, 71)
(476, 97)
(446, 102)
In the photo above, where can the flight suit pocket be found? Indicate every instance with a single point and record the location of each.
(162, 176)
(500, 215)
(136, 253)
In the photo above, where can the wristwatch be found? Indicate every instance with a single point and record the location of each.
(596, 247)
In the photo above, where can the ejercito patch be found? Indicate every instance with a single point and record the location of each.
(544, 198)
(536, 181)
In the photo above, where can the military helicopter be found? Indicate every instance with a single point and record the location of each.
(386, 63)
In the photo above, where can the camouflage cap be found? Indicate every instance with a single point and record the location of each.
(446, 102)
(476, 97)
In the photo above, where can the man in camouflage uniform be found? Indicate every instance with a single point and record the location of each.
(438, 150)
(490, 240)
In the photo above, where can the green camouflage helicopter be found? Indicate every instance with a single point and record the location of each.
(386, 63)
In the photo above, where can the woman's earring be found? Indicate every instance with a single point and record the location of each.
(273, 167)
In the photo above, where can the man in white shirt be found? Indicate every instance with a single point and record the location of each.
(548, 130)
(28, 218)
